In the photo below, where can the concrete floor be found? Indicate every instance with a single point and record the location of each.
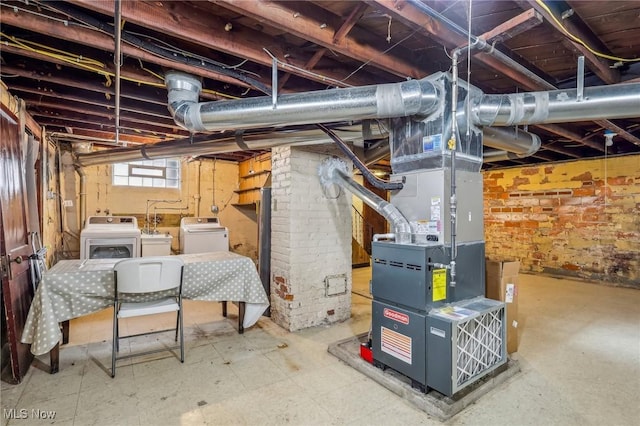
(579, 354)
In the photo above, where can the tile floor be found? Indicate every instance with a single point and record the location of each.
(579, 354)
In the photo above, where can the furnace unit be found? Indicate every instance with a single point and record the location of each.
(430, 320)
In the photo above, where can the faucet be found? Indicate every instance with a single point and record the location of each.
(155, 224)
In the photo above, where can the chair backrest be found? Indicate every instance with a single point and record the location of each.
(148, 274)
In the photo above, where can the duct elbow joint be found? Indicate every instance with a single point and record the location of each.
(183, 95)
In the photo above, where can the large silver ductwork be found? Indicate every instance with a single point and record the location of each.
(557, 106)
(334, 171)
(516, 141)
(512, 142)
(408, 98)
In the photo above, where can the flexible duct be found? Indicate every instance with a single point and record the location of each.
(557, 106)
(335, 171)
(408, 98)
(366, 173)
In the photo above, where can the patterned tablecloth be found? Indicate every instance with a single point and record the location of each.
(72, 288)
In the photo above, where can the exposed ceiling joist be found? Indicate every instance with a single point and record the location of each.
(229, 45)
(574, 25)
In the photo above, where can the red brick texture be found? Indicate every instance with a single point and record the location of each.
(578, 219)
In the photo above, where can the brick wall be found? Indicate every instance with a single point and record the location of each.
(578, 219)
(311, 241)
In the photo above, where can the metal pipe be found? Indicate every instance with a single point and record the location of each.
(151, 203)
(557, 106)
(408, 98)
(334, 170)
(216, 144)
(83, 194)
(117, 59)
(481, 45)
(196, 196)
(453, 201)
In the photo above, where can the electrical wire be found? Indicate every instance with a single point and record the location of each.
(175, 49)
(580, 41)
(364, 64)
(49, 51)
(127, 37)
(307, 72)
(89, 64)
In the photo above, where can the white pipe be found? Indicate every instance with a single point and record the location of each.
(196, 196)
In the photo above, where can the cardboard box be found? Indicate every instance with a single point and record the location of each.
(502, 285)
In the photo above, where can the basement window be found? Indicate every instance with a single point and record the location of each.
(163, 173)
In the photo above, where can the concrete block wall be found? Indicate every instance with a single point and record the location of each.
(578, 219)
(311, 243)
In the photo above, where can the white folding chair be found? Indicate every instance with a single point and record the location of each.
(147, 286)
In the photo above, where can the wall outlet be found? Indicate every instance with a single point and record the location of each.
(67, 203)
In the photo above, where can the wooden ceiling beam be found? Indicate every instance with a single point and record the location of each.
(410, 14)
(313, 61)
(619, 130)
(178, 19)
(415, 18)
(80, 84)
(351, 20)
(559, 150)
(43, 92)
(513, 27)
(568, 134)
(110, 136)
(576, 26)
(107, 120)
(82, 122)
(106, 43)
(126, 74)
(318, 29)
(107, 113)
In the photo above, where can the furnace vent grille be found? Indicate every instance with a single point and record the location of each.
(479, 346)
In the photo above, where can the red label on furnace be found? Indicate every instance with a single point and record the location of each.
(396, 316)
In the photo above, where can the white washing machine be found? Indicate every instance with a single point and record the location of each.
(156, 244)
(202, 235)
(110, 237)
